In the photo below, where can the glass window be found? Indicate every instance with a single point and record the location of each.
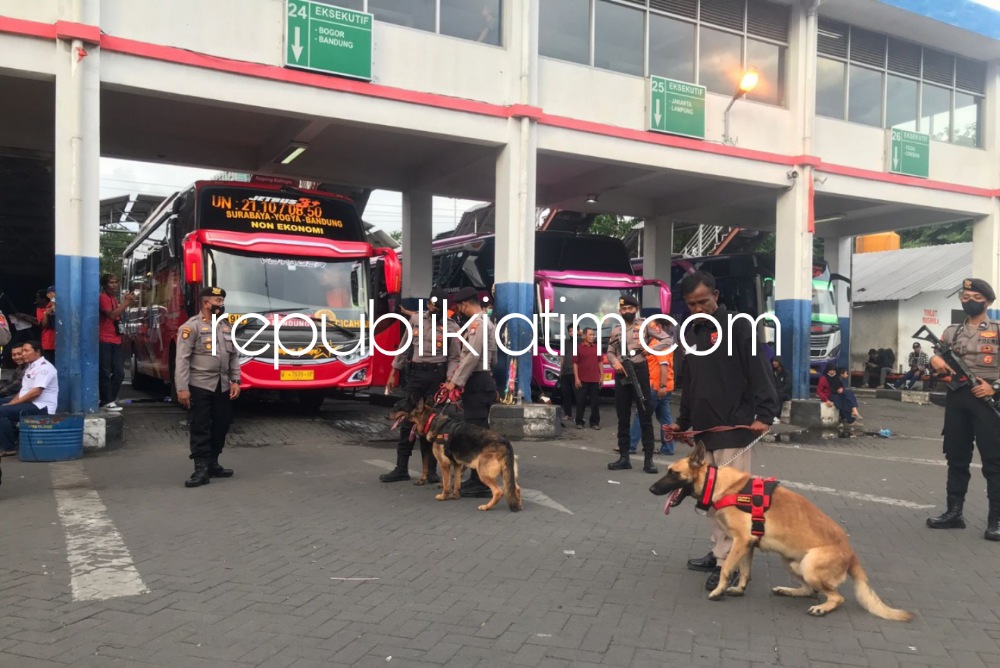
(721, 61)
(618, 38)
(478, 20)
(901, 103)
(410, 13)
(564, 30)
(831, 87)
(935, 119)
(968, 119)
(769, 59)
(358, 5)
(671, 48)
(864, 102)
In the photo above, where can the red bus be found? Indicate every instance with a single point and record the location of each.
(276, 250)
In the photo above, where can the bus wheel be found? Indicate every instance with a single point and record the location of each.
(312, 400)
(140, 381)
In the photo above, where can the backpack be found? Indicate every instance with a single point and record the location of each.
(4, 331)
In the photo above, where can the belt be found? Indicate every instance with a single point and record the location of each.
(415, 363)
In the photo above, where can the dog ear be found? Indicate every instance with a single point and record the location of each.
(697, 458)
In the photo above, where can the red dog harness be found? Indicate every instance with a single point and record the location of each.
(754, 498)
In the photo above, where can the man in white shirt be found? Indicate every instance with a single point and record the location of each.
(39, 394)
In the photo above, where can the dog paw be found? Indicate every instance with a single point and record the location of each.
(779, 591)
(716, 595)
(735, 591)
(421, 482)
(441, 497)
(483, 507)
(817, 611)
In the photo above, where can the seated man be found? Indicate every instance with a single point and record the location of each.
(918, 364)
(11, 388)
(38, 396)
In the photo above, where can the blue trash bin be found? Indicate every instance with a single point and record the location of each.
(51, 438)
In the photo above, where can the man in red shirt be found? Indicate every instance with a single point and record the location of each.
(112, 362)
(587, 376)
(45, 315)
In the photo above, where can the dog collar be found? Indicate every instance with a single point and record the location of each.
(427, 426)
(705, 502)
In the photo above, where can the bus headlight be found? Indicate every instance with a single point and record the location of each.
(354, 357)
(552, 359)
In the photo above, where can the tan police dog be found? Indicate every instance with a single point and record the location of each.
(814, 547)
(458, 445)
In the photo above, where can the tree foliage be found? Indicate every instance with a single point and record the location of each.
(113, 244)
(613, 226)
(936, 235)
(397, 236)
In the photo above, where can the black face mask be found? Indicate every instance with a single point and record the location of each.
(629, 318)
(973, 308)
(218, 310)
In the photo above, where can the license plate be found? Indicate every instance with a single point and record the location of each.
(298, 375)
(607, 377)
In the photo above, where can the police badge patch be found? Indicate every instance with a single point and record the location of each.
(185, 332)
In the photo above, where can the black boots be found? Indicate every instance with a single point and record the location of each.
(474, 487)
(647, 463)
(200, 475)
(622, 463)
(993, 523)
(951, 518)
(401, 472)
(215, 470)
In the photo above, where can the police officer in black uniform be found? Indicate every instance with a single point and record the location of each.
(208, 380)
(479, 387)
(428, 369)
(968, 418)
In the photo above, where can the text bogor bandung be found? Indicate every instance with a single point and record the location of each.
(366, 342)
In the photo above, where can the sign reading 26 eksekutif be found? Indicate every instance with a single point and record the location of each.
(676, 107)
(329, 39)
(909, 153)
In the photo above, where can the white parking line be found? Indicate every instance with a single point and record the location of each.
(100, 564)
(532, 495)
(884, 458)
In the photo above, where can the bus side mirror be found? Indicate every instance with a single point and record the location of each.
(393, 270)
(172, 244)
(192, 262)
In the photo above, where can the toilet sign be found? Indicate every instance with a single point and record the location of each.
(328, 39)
(909, 153)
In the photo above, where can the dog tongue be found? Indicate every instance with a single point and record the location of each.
(670, 500)
(413, 433)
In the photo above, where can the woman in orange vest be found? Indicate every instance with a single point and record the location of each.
(661, 381)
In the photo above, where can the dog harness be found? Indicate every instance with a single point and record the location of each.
(754, 498)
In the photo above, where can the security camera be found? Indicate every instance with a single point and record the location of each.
(793, 174)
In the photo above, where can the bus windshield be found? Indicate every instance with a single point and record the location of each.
(579, 300)
(256, 284)
(824, 305)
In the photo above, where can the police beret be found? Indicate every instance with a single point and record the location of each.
(410, 303)
(439, 294)
(212, 291)
(465, 295)
(980, 286)
(628, 300)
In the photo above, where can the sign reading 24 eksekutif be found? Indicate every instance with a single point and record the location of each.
(329, 39)
(676, 107)
(909, 153)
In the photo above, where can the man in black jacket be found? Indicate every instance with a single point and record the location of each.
(722, 390)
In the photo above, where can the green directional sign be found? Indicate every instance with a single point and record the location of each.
(329, 39)
(676, 107)
(909, 153)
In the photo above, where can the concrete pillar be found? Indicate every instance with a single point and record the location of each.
(657, 250)
(986, 252)
(838, 252)
(77, 207)
(417, 236)
(793, 278)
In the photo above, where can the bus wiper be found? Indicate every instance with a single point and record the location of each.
(343, 330)
(285, 311)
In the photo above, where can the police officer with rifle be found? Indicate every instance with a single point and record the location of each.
(628, 358)
(969, 354)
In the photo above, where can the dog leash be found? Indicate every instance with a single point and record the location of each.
(687, 436)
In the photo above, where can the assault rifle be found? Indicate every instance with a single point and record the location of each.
(639, 397)
(963, 376)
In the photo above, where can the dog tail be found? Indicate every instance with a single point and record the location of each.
(869, 600)
(510, 488)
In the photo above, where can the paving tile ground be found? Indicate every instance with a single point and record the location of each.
(305, 559)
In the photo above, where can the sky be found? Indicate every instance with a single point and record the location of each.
(124, 177)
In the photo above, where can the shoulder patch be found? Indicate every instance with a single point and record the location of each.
(185, 332)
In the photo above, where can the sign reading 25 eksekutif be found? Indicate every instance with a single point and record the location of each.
(324, 38)
(676, 107)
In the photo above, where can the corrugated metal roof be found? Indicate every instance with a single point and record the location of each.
(903, 274)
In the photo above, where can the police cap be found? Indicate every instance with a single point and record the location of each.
(410, 303)
(980, 286)
(465, 295)
(440, 295)
(212, 291)
(628, 300)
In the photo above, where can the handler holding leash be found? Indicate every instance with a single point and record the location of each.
(428, 370)
(479, 389)
(627, 347)
(967, 418)
(720, 390)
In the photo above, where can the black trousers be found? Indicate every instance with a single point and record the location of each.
(967, 420)
(112, 370)
(623, 407)
(480, 393)
(589, 393)
(422, 382)
(211, 415)
(567, 387)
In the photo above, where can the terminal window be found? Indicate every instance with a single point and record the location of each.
(475, 20)
(869, 78)
(708, 42)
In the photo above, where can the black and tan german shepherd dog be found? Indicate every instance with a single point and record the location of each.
(457, 445)
(815, 548)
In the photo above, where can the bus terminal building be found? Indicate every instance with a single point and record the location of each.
(865, 116)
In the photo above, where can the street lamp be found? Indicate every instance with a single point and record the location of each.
(747, 83)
